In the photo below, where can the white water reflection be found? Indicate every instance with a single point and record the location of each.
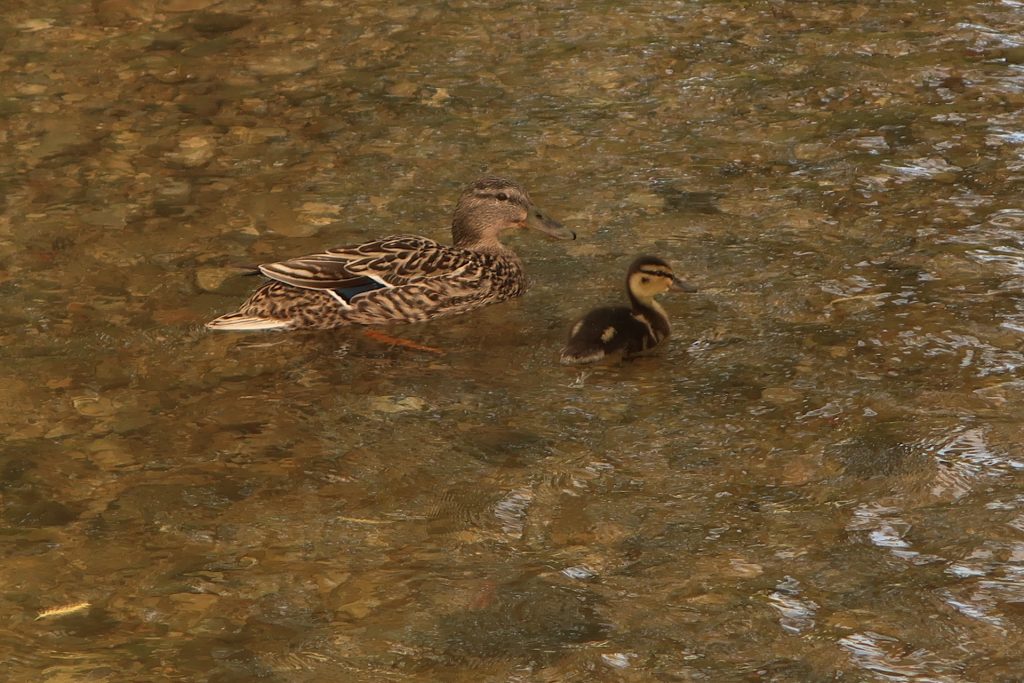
(893, 660)
(511, 512)
(579, 572)
(617, 660)
(796, 613)
(968, 350)
(887, 529)
(977, 605)
(964, 458)
(855, 284)
(925, 168)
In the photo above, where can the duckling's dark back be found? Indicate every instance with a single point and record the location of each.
(603, 332)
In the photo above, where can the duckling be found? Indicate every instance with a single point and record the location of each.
(402, 278)
(612, 329)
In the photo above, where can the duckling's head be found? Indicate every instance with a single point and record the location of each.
(649, 276)
(492, 205)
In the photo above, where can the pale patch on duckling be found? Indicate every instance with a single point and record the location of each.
(568, 359)
(642, 319)
(608, 334)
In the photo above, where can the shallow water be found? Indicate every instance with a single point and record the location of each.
(818, 478)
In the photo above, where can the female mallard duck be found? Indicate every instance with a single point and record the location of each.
(402, 278)
(611, 329)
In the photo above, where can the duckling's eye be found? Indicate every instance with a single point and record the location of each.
(645, 280)
(502, 197)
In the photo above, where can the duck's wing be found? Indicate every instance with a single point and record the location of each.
(389, 262)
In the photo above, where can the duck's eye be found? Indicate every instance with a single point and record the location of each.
(645, 280)
(502, 197)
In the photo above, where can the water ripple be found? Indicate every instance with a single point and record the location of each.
(617, 660)
(1012, 258)
(972, 352)
(796, 613)
(579, 572)
(924, 168)
(978, 606)
(855, 284)
(511, 511)
(892, 660)
(886, 529)
(965, 457)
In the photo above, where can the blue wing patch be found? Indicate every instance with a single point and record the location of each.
(349, 293)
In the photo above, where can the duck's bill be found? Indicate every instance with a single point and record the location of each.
(540, 221)
(682, 286)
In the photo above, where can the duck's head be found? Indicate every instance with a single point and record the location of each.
(492, 205)
(649, 276)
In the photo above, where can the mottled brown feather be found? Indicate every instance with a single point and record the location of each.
(401, 278)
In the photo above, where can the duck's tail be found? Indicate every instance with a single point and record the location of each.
(240, 322)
